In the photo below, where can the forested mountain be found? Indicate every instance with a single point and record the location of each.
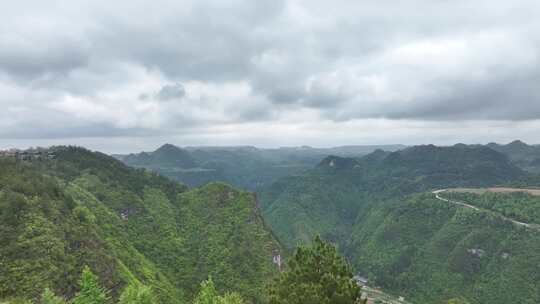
(432, 251)
(329, 198)
(129, 226)
(70, 208)
(245, 167)
(523, 155)
(165, 156)
(414, 244)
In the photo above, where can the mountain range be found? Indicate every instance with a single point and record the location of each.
(73, 208)
(244, 166)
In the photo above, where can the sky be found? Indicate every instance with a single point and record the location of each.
(124, 76)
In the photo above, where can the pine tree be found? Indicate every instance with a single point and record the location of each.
(209, 295)
(48, 297)
(230, 298)
(316, 275)
(137, 294)
(91, 292)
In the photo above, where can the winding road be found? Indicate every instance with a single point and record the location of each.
(463, 204)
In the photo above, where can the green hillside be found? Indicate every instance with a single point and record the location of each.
(328, 199)
(411, 244)
(85, 208)
(431, 251)
(521, 154)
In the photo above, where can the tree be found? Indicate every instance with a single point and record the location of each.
(316, 275)
(91, 292)
(48, 297)
(137, 294)
(230, 298)
(209, 295)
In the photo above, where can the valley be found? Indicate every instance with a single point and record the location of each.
(431, 224)
(270, 152)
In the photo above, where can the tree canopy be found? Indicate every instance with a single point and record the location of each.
(316, 275)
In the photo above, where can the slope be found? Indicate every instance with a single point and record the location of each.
(431, 251)
(85, 208)
(523, 155)
(327, 199)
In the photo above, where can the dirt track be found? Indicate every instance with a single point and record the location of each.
(531, 191)
(502, 190)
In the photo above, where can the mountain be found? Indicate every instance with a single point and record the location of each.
(76, 207)
(166, 156)
(242, 166)
(431, 251)
(327, 199)
(404, 239)
(523, 155)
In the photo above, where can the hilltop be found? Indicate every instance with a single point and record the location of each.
(128, 225)
(246, 167)
(523, 155)
(328, 198)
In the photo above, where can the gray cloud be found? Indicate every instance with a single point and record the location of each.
(92, 65)
(171, 92)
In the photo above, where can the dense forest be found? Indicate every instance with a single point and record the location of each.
(328, 199)
(82, 227)
(408, 243)
(315, 274)
(433, 251)
(129, 226)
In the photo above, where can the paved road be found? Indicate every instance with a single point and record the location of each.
(463, 204)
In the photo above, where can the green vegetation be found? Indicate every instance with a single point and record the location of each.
(520, 206)
(48, 297)
(416, 246)
(316, 274)
(209, 295)
(137, 294)
(431, 251)
(131, 227)
(150, 240)
(244, 167)
(90, 292)
(328, 199)
(523, 155)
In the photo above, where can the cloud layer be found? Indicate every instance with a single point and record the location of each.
(137, 69)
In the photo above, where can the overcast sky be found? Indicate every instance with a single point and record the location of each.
(125, 76)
